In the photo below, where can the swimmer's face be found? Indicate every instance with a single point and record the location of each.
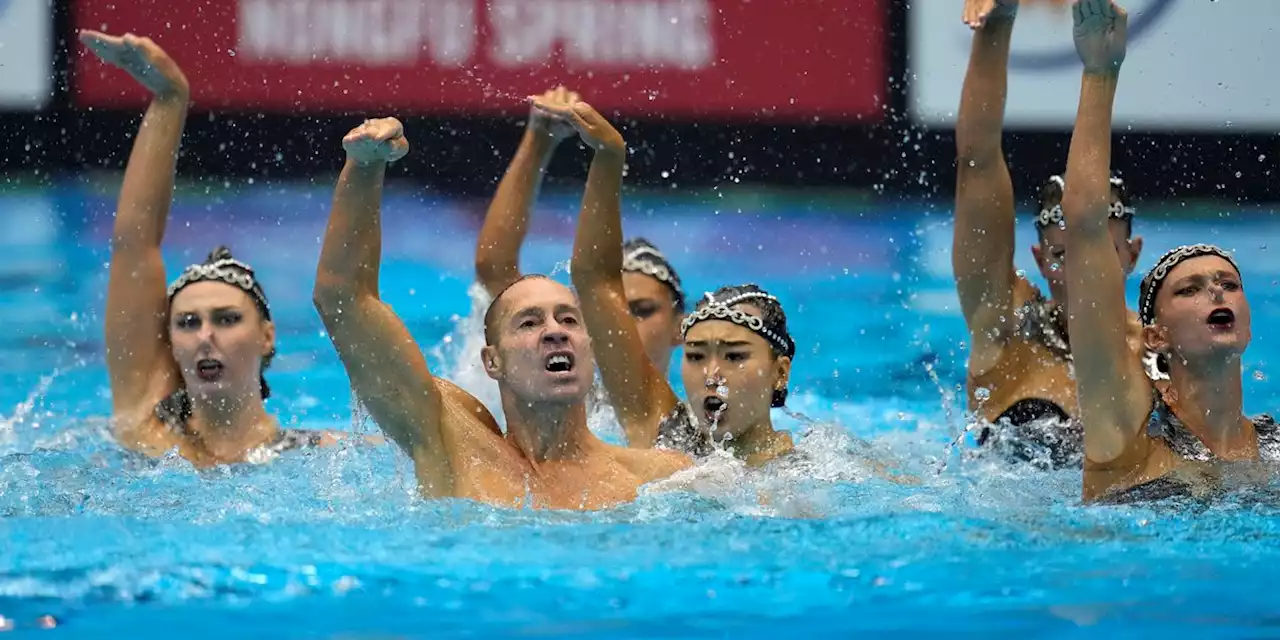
(1051, 253)
(542, 352)
(730, 373)
(219, 340)
(653, 306)
(1201, 312)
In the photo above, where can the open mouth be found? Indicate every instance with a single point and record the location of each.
(560, 362)
(1221, 318)
(713, 407)
(209, 370)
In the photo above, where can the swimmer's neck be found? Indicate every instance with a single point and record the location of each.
(227, 429)
(1209, 399)
(548, 431)
(761, 443)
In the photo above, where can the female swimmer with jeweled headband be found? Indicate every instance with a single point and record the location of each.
(737, 350)
(1020, 356)
(1144, 440)
(655, 296)
(185, 361)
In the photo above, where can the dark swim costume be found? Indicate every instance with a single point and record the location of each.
(1164, 426)
(175, 410)
(679, 430)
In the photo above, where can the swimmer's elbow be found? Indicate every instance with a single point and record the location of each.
(333, 294)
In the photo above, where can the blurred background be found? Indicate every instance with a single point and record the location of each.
(856, 94)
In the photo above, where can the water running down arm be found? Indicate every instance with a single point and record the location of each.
(640, 394)
(139, 362)
(386, 366)
(983, 245)
(507, 219)
(1113, 389)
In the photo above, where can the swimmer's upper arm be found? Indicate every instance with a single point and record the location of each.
(640, 394)
(385, 364)
(139, 362)
(1113, 389)
(983, 242)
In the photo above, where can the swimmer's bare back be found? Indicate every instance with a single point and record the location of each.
(453, 440)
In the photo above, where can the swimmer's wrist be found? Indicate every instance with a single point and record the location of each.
(1105, 72)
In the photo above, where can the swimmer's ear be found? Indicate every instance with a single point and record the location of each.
(1043, 262)
(1135, 251)
(490, 360)
(268, 338)
(1156, 338)
(782, 371)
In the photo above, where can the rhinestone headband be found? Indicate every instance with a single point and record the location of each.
(722, 310)
(1054, 216)
(228, 270)
(656, 268)
(1155, 278)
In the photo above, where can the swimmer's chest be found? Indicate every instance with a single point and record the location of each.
(494, 472)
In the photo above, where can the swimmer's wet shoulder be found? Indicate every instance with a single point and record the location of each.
(1169, 460)
(489, 468)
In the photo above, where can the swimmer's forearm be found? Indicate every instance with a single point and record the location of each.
(352, 248)
(147, 191)
(506, 221)
(1089, 158)
(597, 250)
(982, 99)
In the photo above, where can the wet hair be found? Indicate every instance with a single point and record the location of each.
(1049, 203)
(221, 266)
(493, 312)
(1155, 278)
(641, 256)
(771, 324)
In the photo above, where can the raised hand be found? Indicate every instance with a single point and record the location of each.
(978, 12)
(590, 125)
(1101, 29)
(543, 121)
(380, 140)
(140, 58)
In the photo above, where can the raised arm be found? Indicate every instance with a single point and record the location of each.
(507, 220)
(640, 394)
(139, 362)
(385, 365)
(1113, 389)
(983, 245)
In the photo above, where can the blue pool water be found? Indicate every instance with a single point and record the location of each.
(335, 544)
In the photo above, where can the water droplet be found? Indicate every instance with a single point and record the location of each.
(982, 393)
(1258, 375)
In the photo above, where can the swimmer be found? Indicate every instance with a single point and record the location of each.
(185, 362)
(536, 349)
(1141, 441)
(655, 296)
(737, 350)
(1020, 360)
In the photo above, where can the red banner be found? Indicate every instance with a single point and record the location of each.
(738, 59)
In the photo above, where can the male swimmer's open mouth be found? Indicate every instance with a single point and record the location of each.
(1222, 318)
(713, 407)
(559, 362)
(209, 370)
